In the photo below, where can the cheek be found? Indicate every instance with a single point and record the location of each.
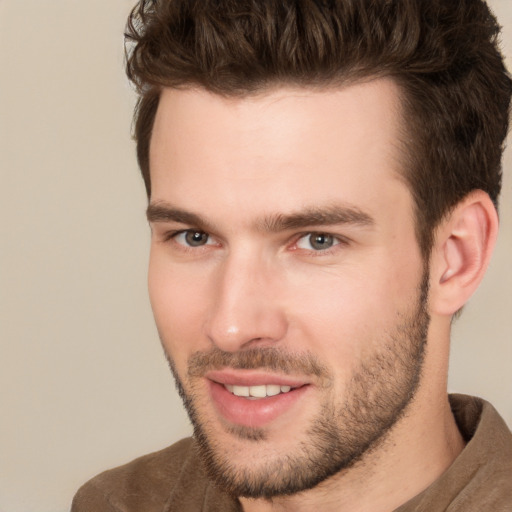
(330, 315)
(177, 304)
(343, 315)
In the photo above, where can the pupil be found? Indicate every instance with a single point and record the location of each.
(196, 238)
(321, 241)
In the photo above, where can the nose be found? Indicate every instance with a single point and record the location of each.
(246, 307)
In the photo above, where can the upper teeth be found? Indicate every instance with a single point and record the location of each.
(257, 391)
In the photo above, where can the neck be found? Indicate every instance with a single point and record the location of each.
(417, 450)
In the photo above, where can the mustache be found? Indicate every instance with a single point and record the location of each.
(268, 358)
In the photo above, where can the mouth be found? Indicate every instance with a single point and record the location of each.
(252, 399)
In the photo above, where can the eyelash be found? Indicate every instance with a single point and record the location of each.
(172, 235)
(338, 241)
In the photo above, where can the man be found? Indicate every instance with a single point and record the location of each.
(322, 180)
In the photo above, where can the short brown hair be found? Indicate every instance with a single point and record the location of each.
(443, 54)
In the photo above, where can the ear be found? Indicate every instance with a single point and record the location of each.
(462, 250)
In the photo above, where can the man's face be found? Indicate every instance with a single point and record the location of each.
(284, 266)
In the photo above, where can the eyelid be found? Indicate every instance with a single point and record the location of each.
(175, 233)
(339, 240)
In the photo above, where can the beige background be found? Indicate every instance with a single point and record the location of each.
(83, 384)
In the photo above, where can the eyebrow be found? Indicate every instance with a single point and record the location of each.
(162, 212)
(311, 216)
(317, 216)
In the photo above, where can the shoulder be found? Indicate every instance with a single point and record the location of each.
(487, 458)
(480, 478)
(143, 484)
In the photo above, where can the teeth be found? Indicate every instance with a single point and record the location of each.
(241, 390)
(257, 391)
(273, 389)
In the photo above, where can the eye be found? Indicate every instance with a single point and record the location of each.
(192, 238)
(317, 242)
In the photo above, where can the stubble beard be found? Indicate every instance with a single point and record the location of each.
(342, 433)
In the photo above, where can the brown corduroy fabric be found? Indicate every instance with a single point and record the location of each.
(173, 479)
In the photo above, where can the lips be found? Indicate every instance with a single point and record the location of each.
(252, 399)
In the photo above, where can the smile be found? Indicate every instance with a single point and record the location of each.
(255, 399)
(255, 392)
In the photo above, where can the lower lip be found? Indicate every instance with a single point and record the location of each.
(253, 413)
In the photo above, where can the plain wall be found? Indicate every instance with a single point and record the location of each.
(83, 382)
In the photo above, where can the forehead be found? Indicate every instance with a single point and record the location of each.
(286, 148)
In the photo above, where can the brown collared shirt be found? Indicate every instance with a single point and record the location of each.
(173, 480)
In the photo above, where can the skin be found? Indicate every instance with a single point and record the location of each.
(232, 168)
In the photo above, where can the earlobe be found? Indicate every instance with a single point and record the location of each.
(462, 251)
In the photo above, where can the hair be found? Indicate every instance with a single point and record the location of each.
(443, 54)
